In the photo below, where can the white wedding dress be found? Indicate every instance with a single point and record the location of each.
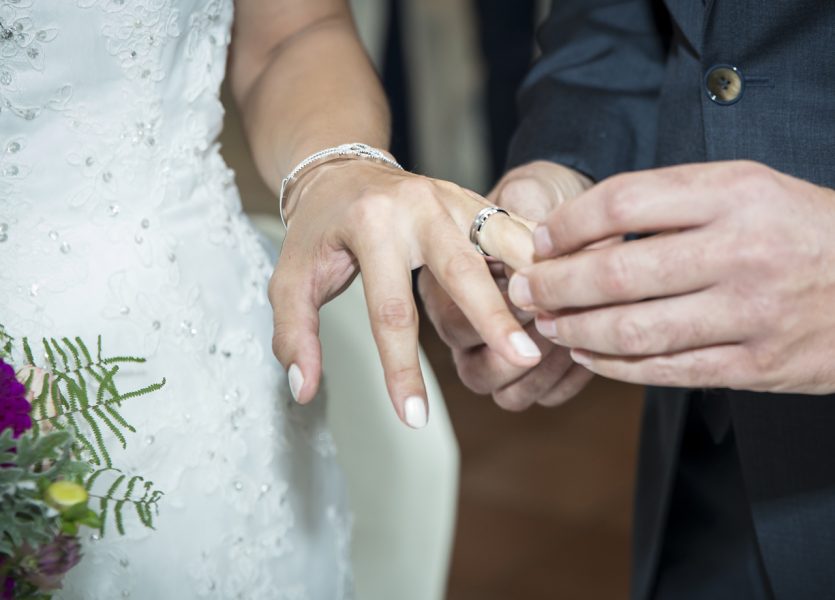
(119, 217)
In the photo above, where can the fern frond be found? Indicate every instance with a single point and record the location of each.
(123, 492)
(123, 359)
(114, 414)
(84, 350)
(102, 454)
(91, 481)
(27, 352)
(50, 357)
(110, 425)
(60, 351)
(6, 342)
(73, 350)
(148, 389)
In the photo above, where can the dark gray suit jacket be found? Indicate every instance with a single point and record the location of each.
(621, 86)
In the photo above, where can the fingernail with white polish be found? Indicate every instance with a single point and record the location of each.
(415, 412)
(547, 327)
(542, 241)
(520, 291)
(296, 379)
(524, 345)
(581, 357)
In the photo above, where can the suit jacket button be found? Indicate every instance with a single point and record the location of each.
(724, 84)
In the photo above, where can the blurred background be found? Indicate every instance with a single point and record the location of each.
(544, 498)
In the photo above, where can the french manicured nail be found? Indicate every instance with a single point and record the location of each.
(524, 345)
(296, 379)
(581, 357)
(547, 327)
(542, 241)
(415, 412)
(520, 291)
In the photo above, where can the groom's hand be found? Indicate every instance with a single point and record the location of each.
(531, 191)
(737, 290)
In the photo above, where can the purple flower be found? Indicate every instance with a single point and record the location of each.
(14, 408)
(54, 560)
(8, 589)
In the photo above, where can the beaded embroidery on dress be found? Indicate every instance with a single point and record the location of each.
(118, 216)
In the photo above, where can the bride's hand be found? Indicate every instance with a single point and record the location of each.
(533, 190)
(352, 216)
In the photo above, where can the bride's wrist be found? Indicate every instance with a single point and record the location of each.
(356, 151)
(309, 182)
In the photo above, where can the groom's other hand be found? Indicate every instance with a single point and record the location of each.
(532, 191)
(737, 290)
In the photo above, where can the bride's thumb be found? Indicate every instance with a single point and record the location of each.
(296, 335)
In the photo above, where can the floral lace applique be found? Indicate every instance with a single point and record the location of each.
(22, 48)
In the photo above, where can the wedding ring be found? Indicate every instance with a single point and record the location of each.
(478, 224)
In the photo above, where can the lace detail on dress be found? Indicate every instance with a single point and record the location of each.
(22, 48)
(118, 216)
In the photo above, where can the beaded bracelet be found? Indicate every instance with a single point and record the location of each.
(354, 150)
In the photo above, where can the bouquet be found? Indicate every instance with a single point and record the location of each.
(56, 475)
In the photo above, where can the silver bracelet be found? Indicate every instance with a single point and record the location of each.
(355, 150)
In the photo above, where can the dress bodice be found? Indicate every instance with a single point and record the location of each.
(113, 98)
(109, 110)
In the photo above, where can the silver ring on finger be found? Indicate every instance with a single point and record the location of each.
(478, 224)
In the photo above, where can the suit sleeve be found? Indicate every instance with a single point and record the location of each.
(590, 102)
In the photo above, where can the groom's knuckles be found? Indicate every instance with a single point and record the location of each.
(453, 327)
(527, 196)
(534, 385)
(571, 384)
(472, 371)
(550, 284)
(613, 273)
(513, 399)
(483, 370)
(607, 209)
(451, 324)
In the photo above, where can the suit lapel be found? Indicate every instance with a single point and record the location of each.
(689, 17)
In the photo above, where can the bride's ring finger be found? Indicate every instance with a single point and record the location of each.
(478, 224)
(497, 234)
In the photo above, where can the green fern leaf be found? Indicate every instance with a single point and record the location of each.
(73, 350)
(27, 352)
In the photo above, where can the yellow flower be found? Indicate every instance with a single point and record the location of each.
(64, 495)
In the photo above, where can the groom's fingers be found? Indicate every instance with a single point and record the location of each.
(662, 265)
(514, 388)
(642, 202)
(296, 325)
(653, 327)
(452, 326)
(572, 383)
